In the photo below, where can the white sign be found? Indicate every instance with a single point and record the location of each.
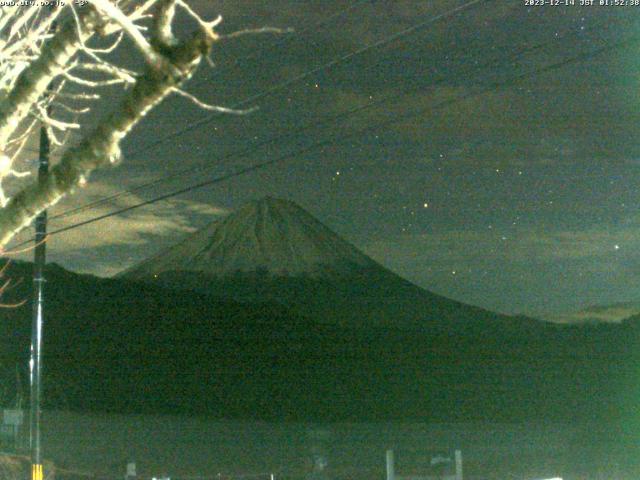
(12, 417)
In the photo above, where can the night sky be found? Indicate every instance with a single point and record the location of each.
(520, 199)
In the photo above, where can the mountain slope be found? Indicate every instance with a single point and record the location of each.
(116, 345)
(274, 250)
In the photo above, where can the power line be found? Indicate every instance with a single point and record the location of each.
(290, 134)
(199, 123)
(237, 61)
(288, 39)
(326, 66)
(333, 141)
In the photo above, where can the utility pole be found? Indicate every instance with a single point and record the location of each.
(38, 317)
(40, 258)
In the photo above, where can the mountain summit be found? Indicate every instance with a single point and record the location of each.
(272, 250)
(268, 235)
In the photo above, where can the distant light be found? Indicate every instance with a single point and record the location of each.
(426, 205)
(616, 247)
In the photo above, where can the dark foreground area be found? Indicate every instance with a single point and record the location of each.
(191, 385)
(118, 346)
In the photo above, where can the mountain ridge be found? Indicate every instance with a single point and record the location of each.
(139, 347)
(272, 249)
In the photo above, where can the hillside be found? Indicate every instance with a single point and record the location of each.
(119, 346)
(273, 250)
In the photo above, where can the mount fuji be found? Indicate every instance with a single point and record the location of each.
(274, 250)
(269, 314)
(364, 341)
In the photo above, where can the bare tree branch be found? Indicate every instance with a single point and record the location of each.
(31, 57)
(212, 108)
(102, 147)
(35, 79)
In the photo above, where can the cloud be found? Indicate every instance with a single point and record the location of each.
(530, 270)
(525, 245)
(605, 313)
(108, 245)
